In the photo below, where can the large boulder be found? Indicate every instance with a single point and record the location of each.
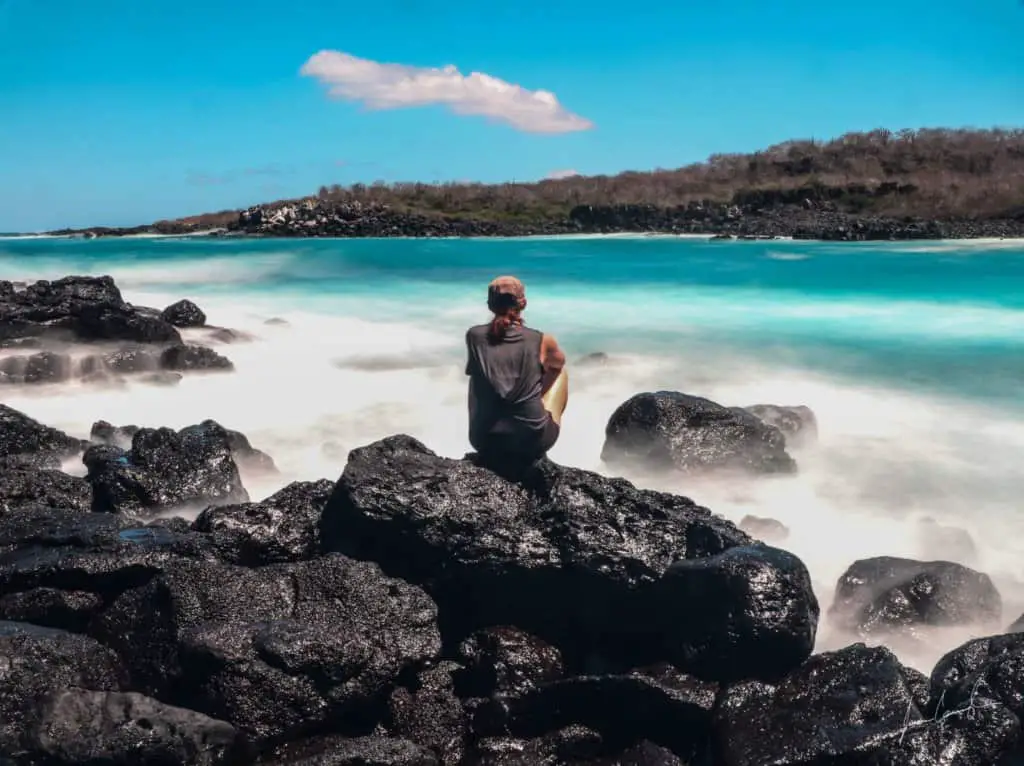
(26, 441)
(981, 672)
(35, 661)
(278, 650)
(124, 728)
(184, 313)
(575, 558)
(284, 527)
(885, 594)
(855, 706)
(79, 309)
(671, 431)
(165, 470)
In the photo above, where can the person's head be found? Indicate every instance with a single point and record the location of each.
(506, 298)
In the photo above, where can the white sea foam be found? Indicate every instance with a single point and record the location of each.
(343, 373)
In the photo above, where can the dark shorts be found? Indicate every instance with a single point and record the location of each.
(536, 447)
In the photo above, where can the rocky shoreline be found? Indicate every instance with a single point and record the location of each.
(754, 216)
(419, 610)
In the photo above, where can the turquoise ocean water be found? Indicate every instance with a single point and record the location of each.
(911, 354)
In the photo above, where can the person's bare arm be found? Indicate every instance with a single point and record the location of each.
(552, 359)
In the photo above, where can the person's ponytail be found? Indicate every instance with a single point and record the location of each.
(501, 323)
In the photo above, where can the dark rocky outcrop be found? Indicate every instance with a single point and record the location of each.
(572, 746)
(671, 431)
(588, 563)
(47, 488)
(505, 660)
(165, 470)
(798, 424)
(885, 594)
(429, 713)
(263, 648)
(26, 441)
(852, 706)
(284, 527)
(125, 729)
(984, 671)
(658, 704)
(184, 313)
(190, 356)
(76, 308)
(36, 661)
(356, 751)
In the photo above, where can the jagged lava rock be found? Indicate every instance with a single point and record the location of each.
(184, 313)
(61, 568)
(191, 356)
(77, 308)
(658, 704)
(572, 746)
(165, 470)
(124, 728)
(277, 650)
(857, 706)
(749, 612)
(429, 713)
(284, 527)
(989, 669)
(505, 660)
(798, 424)
(885, 594)
(570, 556)
(22, 436)
(46, 488)
(672, 431)
(35, 661)
(356, 751)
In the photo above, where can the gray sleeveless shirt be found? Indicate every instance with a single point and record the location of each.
(505, 382)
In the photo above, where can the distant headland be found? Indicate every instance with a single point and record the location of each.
(879, 185)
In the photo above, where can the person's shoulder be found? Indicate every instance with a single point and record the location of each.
(477, 332)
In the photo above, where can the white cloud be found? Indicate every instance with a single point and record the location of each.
(395, 86)
(554, 175)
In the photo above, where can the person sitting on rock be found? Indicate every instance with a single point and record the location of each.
(518, 385)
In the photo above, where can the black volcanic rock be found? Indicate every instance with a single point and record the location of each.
(190, 356)
(671, 431)
(429, 713)
(47, 488)
(77, 308)
(587, 563)
(26, 441)
(124, 728)
(283, 527)
(165, 470)
(333, 750)
(982, 671)
(35, 661)
(275, 650)
(885, 594)
(852, 706)
(132, 360)
(506, 660)
(184, 313)
(41, 367)
(657, 703)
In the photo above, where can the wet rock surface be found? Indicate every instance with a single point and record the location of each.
(886, 594)
(42, 324)
(165, 470)
(672, 431)
(798, 424)
(424, 610)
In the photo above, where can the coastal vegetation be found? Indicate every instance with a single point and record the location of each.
(925, 175)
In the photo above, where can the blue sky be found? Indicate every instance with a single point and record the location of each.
(118, 112)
